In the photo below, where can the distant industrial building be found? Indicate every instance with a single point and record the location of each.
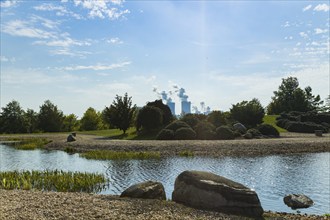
(185, 107)
(171, 105)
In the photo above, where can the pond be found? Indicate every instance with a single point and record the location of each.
(271, 177)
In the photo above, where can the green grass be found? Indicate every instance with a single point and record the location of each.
(271, 119)
(119, 155)
(59, 181)
(113, 133)
(29, 143)
(186, 153)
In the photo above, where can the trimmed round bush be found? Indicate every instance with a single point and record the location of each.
(149, 117)
(190, 119)
(185, 134)
(282, 123)
(224, 133)
(165, 134)
(255, 133)
(175, 125)
(304, 127)
(205, 130)
(268, 130)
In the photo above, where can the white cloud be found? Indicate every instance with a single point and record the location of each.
(102, 9)
(322, 7)
(6, 59)
(8, 3)
(303, 35)
(97, 67)
(24, 29)
(65, 42)
(307, 7)
(115, 40)
(320, 31)
(67, 52)
(60, 10)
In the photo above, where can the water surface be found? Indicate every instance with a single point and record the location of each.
(271, 177)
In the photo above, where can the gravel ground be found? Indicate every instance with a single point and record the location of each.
(16, 204)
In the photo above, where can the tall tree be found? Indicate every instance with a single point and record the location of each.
(120, 113)
(290, 97)
(50, 117)
(248, 113)
(70, 123)
(166, 111)
(12, 118)
(91, 120)
(31, 120)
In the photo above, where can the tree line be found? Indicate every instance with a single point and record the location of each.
(122, 114)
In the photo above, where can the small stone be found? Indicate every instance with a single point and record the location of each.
(146, 190)
(295, 201)
(70, 138)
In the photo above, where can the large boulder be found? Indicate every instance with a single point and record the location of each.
(207, 191)
(145, 190)
(71, 138)
(240, 128)
(295, 201)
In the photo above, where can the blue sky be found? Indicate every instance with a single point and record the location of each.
(81, 53)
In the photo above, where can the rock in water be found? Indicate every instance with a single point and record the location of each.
(70, 138)
(204, 190)
(295, 201)
(145, 190)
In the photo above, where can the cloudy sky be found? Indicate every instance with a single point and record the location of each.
(81, 53)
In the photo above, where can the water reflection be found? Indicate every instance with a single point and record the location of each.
(272, 177)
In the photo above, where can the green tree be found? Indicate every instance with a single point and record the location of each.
(12, 118)
(50, 118)
(290, 97)
(91, 120)
(70, 123)
(217, 118)
(149, 117)
(120, 113)
(166, 111)
(31, 121)
(249, 113)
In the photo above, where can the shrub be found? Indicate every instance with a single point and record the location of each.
(254, 133)
(268, 130)
(225, 133)
(282, 123)
(190, 119)
(205, 130)
(165, 110)
(149, 117)
(165, 134)
(175, 125)
(217, 118)
(185, 134)
(240, 128)
(304, 127)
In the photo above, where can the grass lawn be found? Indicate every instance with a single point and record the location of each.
(271, 119)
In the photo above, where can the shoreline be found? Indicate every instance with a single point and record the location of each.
(19, 204)
(288, 143)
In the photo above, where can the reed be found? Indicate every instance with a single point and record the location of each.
(56, 180)
(29, 143)
(186, 153)
(119, 155)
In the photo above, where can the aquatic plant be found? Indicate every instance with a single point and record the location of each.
(56, 180)
(29, 143)
(119, 155)
(186, 153)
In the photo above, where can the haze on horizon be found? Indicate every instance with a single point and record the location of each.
(81, 53)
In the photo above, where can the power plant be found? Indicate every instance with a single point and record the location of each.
(185, 104)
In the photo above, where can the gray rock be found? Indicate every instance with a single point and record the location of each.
(240, 128)
(207, 191)
(70, 138)
(295, 201)
(145, 190)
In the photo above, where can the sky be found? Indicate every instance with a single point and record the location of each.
(82, 53)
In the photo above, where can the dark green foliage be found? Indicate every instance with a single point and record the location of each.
(217, 118)
(12, 118)
(91, 120)
(166, 111)
(149, 117)
(282, 123)
(290, 97)
(190, 119)
(205, 131)
(165, 134)
(184, 133)
(50, 117)
(255, 133)
(225, 133)
(175, 125)
(304, 127)
(248, 113)
(120, 113)
(268, 130)
(31, 121)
